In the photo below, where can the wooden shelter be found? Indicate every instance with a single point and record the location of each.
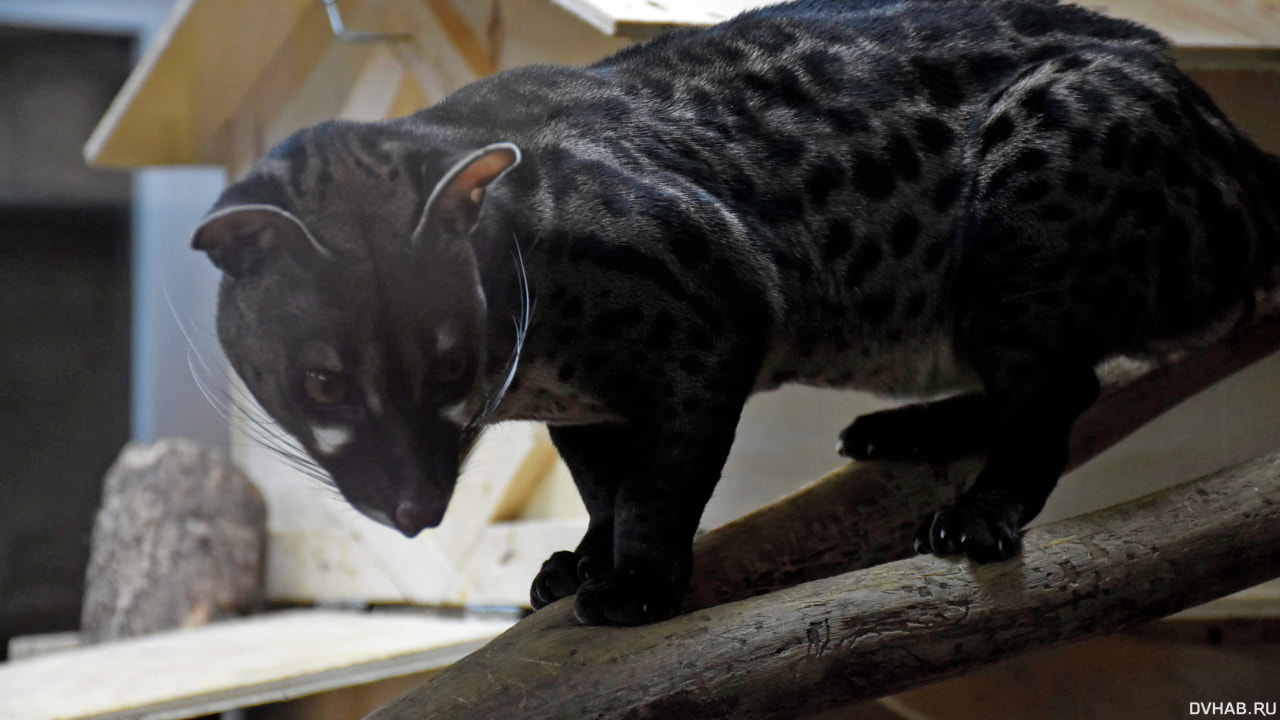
(227, 80)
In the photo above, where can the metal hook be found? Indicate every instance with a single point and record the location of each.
(341, 32)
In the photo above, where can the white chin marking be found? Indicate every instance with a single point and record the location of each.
(455, 413)
(330, 440)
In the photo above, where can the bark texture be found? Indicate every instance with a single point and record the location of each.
(178, 542)
(878, 631)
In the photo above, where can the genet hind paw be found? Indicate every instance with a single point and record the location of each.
(937, 432)
(984, 530)
(879, 436)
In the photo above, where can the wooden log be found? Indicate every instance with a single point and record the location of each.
(178, 543)
(859, 517)
(878, 631)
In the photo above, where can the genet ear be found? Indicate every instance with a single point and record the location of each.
(237, 238)
(455, 202)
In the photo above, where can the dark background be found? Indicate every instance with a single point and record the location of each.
(64, 318)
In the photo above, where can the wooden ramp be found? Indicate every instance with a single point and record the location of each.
(234, 664)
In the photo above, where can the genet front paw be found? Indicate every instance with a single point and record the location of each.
(561, 576)
(557, 579)
(984, 530)
(627, 597)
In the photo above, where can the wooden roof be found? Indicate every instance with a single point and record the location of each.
(218, 61)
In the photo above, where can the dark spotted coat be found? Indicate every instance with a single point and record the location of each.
(903, 196)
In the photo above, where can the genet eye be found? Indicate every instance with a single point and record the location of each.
(450, 366)
(325, 387)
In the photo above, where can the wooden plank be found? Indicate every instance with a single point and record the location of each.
(375, 89)
(1188, 23)
(502, 564)
(476, 51)
(321, 94)
(1200, 24)
(1258, 602)
(193, 78)
(409, 98)
(443, 41)
(233, 664)
(643, 18)
(529, 478)
(252, 128)
(539, 31)
(190, 80)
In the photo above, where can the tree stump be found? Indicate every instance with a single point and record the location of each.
(178, 542)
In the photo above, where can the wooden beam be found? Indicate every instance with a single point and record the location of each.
(374, 91)
(874, 632)
(255, 125)
(642, 19)
(1251, 24)
(190, 80)
(1188, 23)
(476, 51)
(409, 98)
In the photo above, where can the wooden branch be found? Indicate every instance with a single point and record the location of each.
(866, 514)
(866, 634)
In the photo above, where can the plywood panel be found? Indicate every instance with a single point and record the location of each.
(641, 18)
(234, 664)
(190, 80)
(1188, 23)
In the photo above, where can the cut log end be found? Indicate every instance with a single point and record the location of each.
(178, 542)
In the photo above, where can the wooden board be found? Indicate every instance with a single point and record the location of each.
(1228, 24)
(644, 18)
(190, 79)
(234, 664)
(1188, 23)
(195, 77)
(1256, 603)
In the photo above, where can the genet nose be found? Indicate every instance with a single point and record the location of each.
(411, 518)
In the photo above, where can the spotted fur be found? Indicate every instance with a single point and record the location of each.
(910, 197)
